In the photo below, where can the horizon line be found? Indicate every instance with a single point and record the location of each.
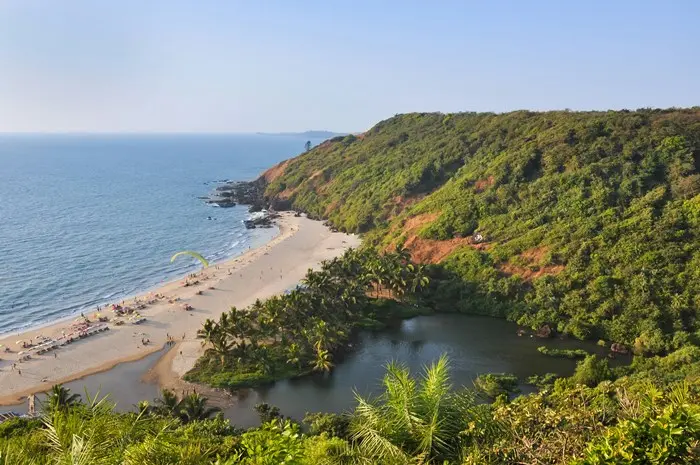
(223, 133)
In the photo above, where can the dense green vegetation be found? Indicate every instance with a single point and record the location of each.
(590, 220)
(565, 353)
(639, 419)
(306, 329)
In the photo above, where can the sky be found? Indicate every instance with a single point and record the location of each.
(294, 65)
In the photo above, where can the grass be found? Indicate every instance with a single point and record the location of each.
(563, 353)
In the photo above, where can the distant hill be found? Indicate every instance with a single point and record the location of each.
(309, 134)
(588, 222)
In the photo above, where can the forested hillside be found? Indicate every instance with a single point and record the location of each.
(588, 222)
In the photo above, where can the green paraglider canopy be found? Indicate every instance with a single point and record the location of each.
(204, 261)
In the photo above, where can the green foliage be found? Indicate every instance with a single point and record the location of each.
(591, 371)
(268, 413)
(272, 444)
(191, 407)
(411, 419)
(591, 219)
(564, 353)
(542, 381)
(667, 430)
(59, 398)
(331, 424)
(496, 384)
(637, 419)
(304, 330)
(17, 427)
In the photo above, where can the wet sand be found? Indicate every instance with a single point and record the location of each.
(258, 274)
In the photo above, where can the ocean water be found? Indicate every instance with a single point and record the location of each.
(90, 219)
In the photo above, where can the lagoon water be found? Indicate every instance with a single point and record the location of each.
(473, 344)
(90, 219)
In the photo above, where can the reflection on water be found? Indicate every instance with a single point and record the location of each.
(474, 344)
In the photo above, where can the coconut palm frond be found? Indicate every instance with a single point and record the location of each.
(400, 396)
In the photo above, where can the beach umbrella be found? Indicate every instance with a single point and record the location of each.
(199, 257)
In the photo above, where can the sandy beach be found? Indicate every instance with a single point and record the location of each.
(268, 270)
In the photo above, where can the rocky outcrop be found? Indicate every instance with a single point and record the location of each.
(618, 348)
(233, 193)
(251, 193)
(261, 221)
(545, 331)
(225, 202)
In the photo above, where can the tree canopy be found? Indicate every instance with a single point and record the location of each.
(585, 221)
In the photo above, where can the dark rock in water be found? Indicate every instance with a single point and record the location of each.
(619, 348)
(544, 332)
(262, 221)
(221, 202)
(246, 193)
(250, 193)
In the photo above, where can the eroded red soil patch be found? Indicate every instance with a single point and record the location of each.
(533, 257)
(431, 250)
(276, 171)
(482, 184)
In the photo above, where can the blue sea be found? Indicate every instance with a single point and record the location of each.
(91, 219)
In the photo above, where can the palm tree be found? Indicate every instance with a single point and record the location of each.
(193, 407)
(167, 405)
(262, 359)
(414, 419)
(377, 273)
(212, 333)
(208, 331)
(92, 434)
(59, 398)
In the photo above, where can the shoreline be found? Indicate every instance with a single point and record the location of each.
(168, 280)
(300, 244)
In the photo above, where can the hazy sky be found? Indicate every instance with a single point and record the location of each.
(292, 65)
